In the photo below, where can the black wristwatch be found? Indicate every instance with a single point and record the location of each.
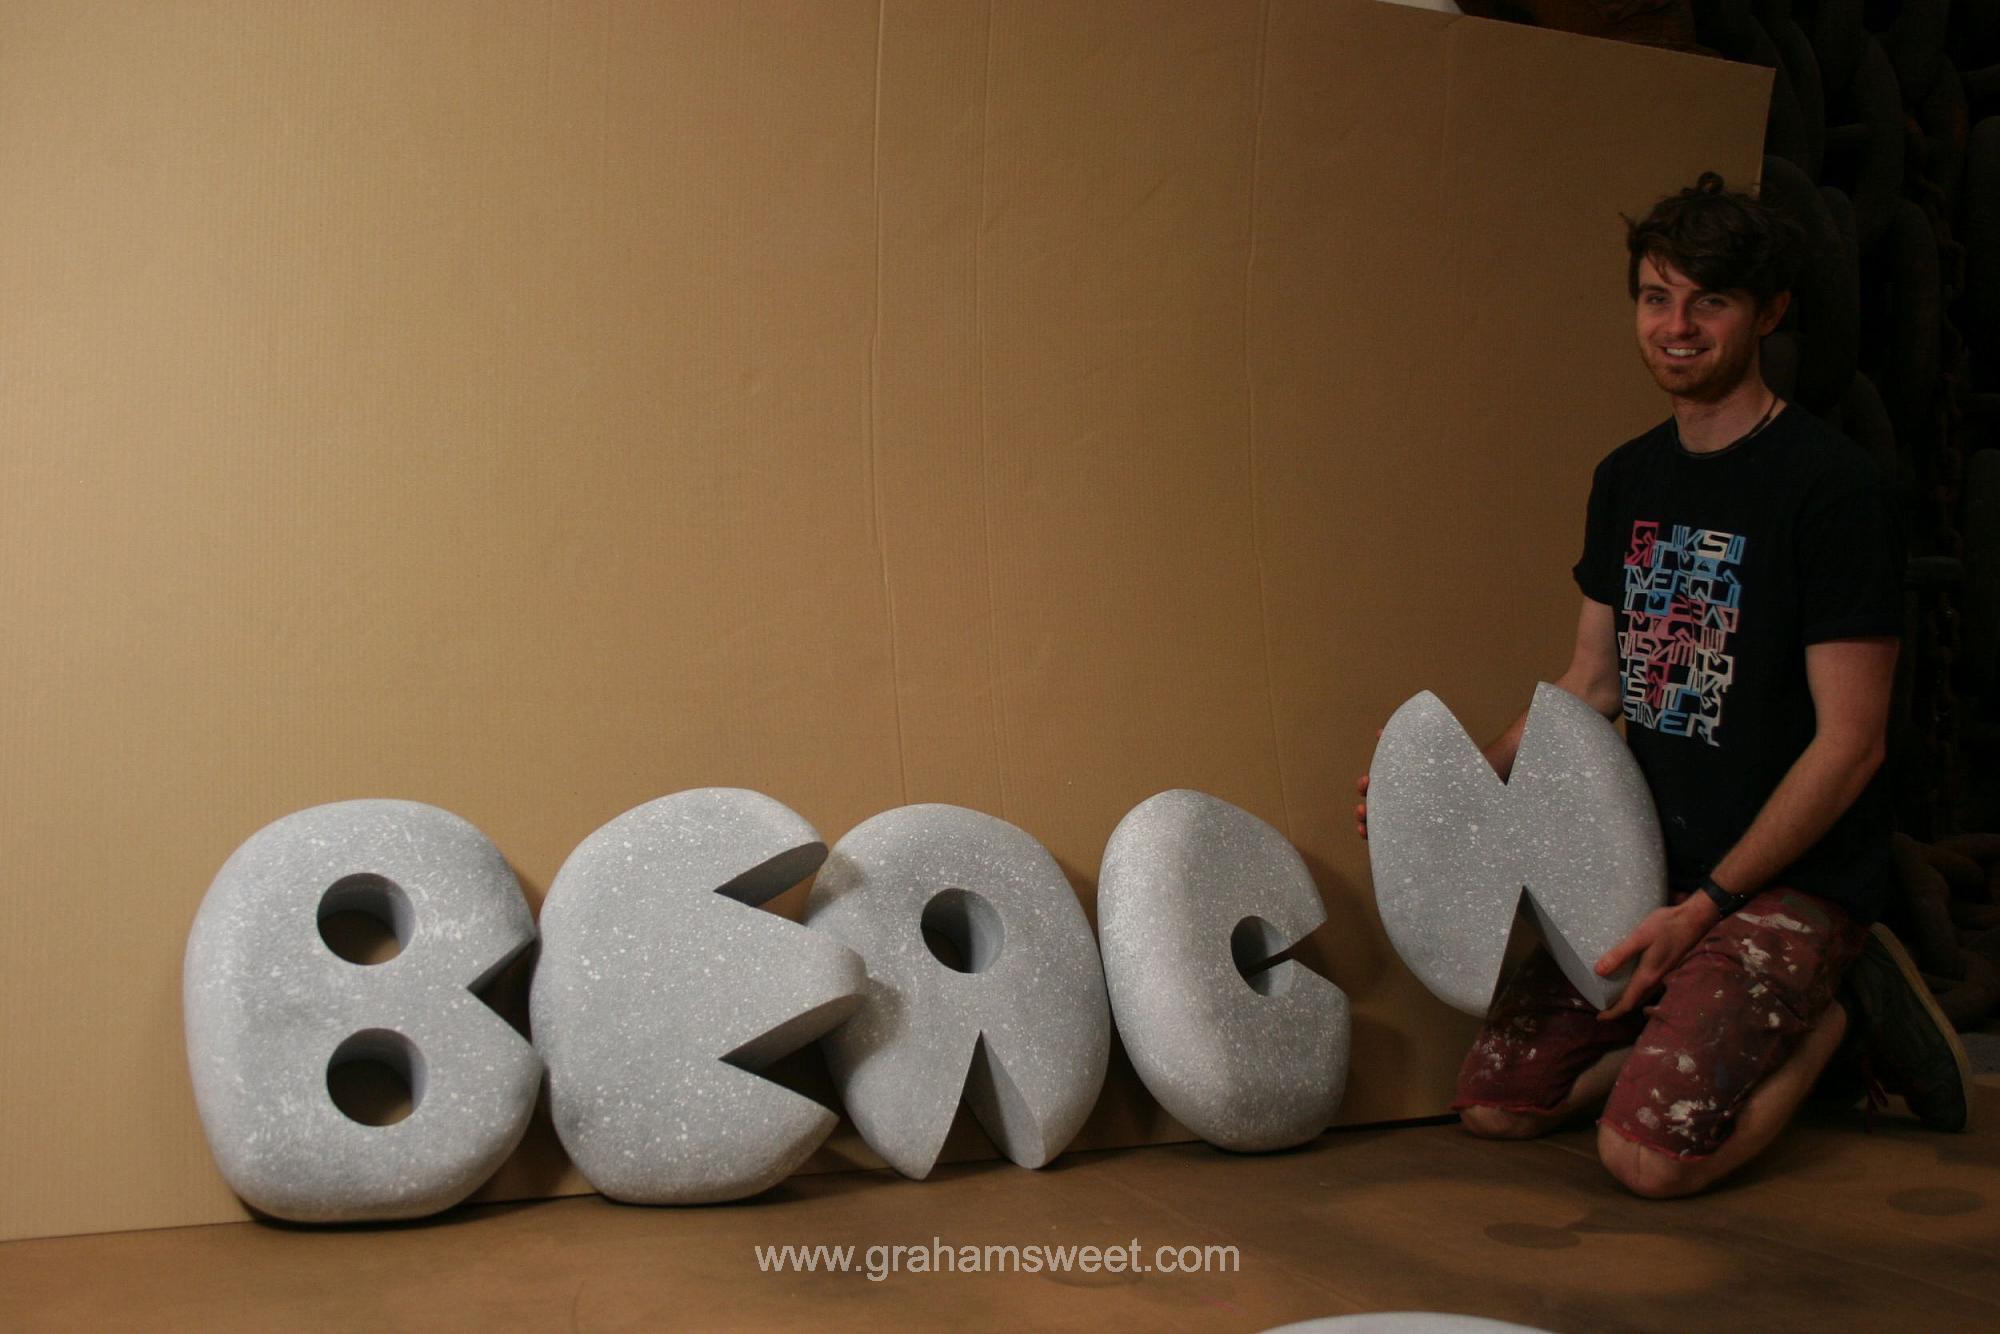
(1726, 902)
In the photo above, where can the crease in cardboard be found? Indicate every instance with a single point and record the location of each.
(1447, 123)
(1250, 418)
(604, 103)
(548, 55)
(872, 461)
(985, 473)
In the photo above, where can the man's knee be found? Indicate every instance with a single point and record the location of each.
(1498, 1123)
(1648, 1172)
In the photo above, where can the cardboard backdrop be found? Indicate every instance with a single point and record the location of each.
(532, 409)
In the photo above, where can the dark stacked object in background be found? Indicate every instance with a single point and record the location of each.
(1884, 141)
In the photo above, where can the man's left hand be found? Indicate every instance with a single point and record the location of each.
(1659, 942)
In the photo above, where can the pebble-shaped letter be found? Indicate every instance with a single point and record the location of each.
(662, 989)
(1451, 847)
(1194, 898)
(983, 981)
(271, 1010)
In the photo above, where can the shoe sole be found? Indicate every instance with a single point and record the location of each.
(1921, 989)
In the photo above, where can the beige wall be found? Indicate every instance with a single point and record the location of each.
(534, 409)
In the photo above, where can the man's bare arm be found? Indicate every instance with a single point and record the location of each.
(1850, 680)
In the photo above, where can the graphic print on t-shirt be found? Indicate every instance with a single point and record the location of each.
(1682, 599)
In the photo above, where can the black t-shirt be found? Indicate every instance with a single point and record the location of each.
(1721, 568)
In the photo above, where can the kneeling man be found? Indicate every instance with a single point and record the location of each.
(1741, 578)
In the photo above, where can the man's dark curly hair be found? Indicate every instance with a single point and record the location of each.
(1721, 239)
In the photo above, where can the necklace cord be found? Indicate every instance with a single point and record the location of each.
(1770, 411)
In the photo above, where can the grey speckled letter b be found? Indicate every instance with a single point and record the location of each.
(270, 1007)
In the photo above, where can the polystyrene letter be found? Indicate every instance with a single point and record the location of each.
(1452, 847)
(1194, 897)
(1005, 1003)
(662, 989)
(270, 1008)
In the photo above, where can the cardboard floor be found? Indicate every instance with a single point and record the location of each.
(1841, 1228)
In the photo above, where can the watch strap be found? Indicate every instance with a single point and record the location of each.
(1726, 902)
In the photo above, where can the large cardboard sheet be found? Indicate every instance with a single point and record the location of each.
(534, 409)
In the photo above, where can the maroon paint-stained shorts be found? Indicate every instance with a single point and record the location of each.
(1729, 1015)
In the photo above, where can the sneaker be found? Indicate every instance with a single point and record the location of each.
(1907, 1039)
